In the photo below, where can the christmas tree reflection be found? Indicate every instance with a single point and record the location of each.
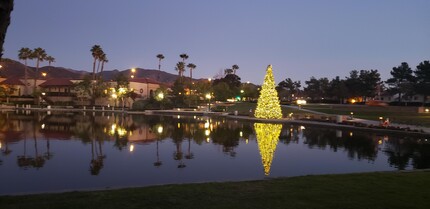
(267, 139)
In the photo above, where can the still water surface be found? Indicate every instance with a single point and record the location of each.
(73, 151)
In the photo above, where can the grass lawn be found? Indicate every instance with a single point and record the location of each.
(403, 115)
(370, 190)
(244, 107)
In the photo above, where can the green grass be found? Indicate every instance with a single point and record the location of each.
(372, 190)
(403, 115)
(244, 107)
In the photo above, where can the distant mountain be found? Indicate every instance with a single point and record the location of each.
(12, 68)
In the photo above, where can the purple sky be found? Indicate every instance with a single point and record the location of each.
(300, 38)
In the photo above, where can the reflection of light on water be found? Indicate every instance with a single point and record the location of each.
(267, 139)
(302, 128)
(0, 145)
(208, 140)
(121, 131)
(350, 134)
(179, 125)
(131, 147)
(380, 141)
(241, 134)
(246, 141)
(207, 132)
(207, 124)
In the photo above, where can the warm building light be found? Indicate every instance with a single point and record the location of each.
(44, 74)
(160, 129)
(133, 70)
(160, 96)
(42, 126)
(427, 110)
(208, 96)
(301, 102)
(132, 76)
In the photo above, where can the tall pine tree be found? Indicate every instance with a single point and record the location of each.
(268, 105)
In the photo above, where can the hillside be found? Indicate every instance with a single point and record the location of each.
(12, 68)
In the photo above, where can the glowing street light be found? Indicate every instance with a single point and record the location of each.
(160, 129)
(160, 96)
(208, 96)
(44, 74)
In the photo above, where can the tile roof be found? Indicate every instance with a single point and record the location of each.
(144, 80)
(12, 81)
(57, 82)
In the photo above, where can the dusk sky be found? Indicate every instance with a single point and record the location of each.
(300, 38)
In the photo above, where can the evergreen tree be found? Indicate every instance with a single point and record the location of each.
(268, 105)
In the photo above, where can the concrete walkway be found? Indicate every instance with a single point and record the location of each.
(369, 122)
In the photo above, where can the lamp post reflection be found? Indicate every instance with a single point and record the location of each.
(158, 163)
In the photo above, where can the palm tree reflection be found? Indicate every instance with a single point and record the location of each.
(97, 157)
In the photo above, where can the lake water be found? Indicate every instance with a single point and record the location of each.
(76, 151)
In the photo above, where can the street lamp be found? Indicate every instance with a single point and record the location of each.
(208, 96)
(160, 97)
(44, 74)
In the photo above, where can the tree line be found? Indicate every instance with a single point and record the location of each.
(362, 85)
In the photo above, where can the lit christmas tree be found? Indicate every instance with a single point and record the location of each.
(267, 139)
(268, 105)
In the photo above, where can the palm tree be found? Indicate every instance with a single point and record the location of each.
(40, 55)
(96, 51)
(160, 57)
(191, 66)
(184, 57)
(50, 60)
(103, 59)
(180, 67)
(234, 68)
(25, 54)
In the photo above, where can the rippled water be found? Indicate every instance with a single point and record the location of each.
(73, 151)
